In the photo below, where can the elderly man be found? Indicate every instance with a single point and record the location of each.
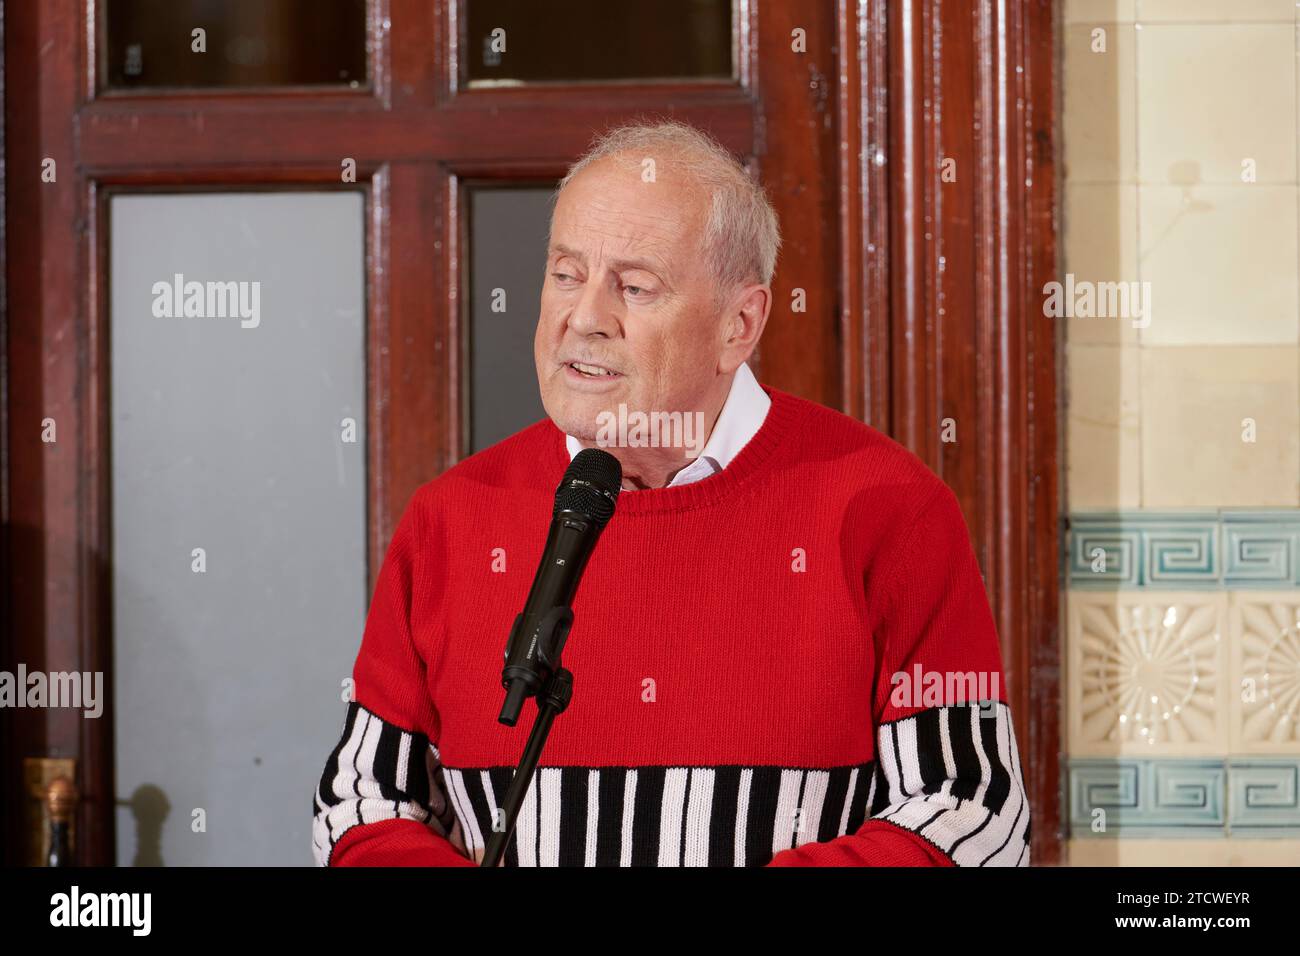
(782, 648)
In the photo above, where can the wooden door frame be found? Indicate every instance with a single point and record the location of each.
(890, 336)
(958, 295)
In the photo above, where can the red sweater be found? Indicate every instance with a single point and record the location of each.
(781, 664)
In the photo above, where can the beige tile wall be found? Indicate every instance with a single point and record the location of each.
(1180, 121)
(1163, 103)
(1184, 852)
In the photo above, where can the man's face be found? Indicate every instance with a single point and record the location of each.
(627, 290)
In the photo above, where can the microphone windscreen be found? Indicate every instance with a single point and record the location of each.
(590, 485)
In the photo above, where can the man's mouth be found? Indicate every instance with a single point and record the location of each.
(592, 371)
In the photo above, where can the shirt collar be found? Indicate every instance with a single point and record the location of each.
(741, 417)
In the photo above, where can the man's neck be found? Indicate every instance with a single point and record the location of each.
(646, 468)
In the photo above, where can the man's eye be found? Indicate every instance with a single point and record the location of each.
(561, 276)
(636, 291)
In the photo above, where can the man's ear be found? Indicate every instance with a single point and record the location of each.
(746, 316)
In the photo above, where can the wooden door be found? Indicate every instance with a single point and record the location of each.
(920, 285)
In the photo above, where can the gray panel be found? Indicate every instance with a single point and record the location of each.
(226, 436)
(508, 235)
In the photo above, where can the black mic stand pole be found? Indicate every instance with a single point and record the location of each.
(553, 697)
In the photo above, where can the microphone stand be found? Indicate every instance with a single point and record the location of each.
(552, 699)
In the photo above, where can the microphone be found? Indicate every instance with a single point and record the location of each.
(584, 503)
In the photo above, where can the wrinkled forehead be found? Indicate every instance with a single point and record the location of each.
(638, 199)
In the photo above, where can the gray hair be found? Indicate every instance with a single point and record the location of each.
(741, 234)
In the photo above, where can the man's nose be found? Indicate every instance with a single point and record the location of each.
(594, 312)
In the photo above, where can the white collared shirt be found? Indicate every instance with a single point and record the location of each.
(741, 417)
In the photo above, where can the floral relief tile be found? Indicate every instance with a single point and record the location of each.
(1264, 660)
(1146, 674)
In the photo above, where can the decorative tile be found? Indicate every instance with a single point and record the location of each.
(1234, 549)
(1110, 550)
(1174, 798)
(1265, 669)
(1264, 797)
(1242, 798)
(1180, 553)
(1105, 555)
(1146, 673)
(1261, 549)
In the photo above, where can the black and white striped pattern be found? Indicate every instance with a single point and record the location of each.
(661, 816)
(952, 776)
(378, 772)
(949, 774)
